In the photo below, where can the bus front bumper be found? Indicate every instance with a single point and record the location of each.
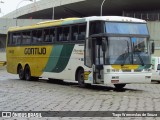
(127, 78)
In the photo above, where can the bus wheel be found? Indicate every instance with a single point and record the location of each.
(27, 73)
(21, 72)
(80, 77)
(119, 86)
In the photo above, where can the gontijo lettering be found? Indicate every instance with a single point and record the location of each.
(35, 51)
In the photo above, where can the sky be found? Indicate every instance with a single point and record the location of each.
(11, 5)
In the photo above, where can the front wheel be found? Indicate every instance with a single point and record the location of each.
(27, 73)
(80, 77)
(119, 86)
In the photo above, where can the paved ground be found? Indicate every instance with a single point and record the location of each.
(19, 95)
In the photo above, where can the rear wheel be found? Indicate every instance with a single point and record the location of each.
(21, 73)
(80, 77)
(119, 86)
(27, 73)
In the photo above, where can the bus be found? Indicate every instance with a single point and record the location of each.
(97, 50)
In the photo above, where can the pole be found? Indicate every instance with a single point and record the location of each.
(102, 7)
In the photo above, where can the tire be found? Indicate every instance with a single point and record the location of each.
(80, 77)
(21, 73)
(27, 73)
(119, 86)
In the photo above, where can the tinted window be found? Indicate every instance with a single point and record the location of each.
(53, 34)
(16, 40)
(66, 34)
(37, 36)
(74, 33)
(63, 34)
(26, 37)
(47, 37)
(95, 28)
(126, 28)
(78, 32)
(82, 32)
(59, 34)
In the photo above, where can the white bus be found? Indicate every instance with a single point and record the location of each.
(92, 50)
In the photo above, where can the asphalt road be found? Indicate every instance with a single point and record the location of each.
(21, 95)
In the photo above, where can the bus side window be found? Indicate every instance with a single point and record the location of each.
(66, 36)
(82, 32)
(34, 37)
(53, 34)
(26, 37)
(74, 33)
(59, 34)
(16, 39)
(47, 37)
(37, 36)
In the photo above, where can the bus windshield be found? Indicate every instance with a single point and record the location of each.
(127, 50)
(126, 28)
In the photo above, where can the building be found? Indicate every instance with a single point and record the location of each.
(57, 9)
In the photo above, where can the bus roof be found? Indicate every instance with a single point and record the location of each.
(68, 21)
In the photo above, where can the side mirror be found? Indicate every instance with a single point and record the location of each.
(153, 47)
(104, 43)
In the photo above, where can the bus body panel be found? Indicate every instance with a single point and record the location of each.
(76, 60)
(35, 56)
(117, 74)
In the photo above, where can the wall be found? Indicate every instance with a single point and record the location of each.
(154, 29)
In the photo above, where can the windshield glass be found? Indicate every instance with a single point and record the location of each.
(126, 50)
(126, 28)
